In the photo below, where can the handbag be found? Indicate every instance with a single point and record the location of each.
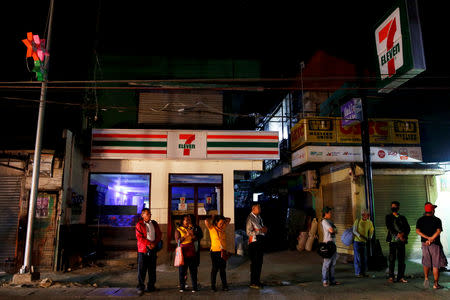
(326, 250)
(348, 236)
(179, 259)
(225, 255)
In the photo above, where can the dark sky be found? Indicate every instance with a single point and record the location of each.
(279, 33)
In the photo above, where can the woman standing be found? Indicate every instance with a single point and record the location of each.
(217, 234)
(184, 235)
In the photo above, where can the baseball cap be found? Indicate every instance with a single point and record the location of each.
(327, 209)
(429, 207)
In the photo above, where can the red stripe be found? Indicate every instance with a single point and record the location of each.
(150, 136)
(129, 151)
(250, 137)
(241, 152)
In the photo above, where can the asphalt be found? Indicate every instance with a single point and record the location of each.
(286, 274)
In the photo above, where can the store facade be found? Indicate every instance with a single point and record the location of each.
(172, 172)
(330, 150)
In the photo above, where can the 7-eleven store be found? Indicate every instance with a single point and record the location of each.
(173, 172)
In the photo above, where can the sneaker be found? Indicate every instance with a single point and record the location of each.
(255, 286)
(437, 286)
(181, 290)
(194, 290)
(426, 283)
(140, 292)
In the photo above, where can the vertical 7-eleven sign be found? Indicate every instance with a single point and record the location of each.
(185, 144)
(388, 37)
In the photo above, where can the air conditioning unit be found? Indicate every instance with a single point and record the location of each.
(310, 180)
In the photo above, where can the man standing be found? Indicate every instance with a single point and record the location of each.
(329, 235)
(256, 233)
(148, 236)
(429, 228)
(397, 237)
(363, 231)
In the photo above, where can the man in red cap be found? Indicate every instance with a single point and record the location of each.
(429, 228)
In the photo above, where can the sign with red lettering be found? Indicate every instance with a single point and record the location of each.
(379, 131)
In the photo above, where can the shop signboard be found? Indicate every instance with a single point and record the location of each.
(379, 132)
(378, 154)
(183, 144)
(313, 130)
(405, 132)
(399, 46)
(351, 112)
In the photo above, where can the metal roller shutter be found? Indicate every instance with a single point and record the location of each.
(338, 195)
(10, 188)
(410, 191)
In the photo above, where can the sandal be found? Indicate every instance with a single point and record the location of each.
(336, 283)
(391, 279)
(403, 280)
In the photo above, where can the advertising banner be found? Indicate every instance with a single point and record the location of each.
(405, 132)
(354, 154)
(184, 144)
(379, 131)
(313, 130)
(351, 112)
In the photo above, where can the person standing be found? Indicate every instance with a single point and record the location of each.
(218, 237)
(363, 231)
(329, 235)
(184, 235)
(148, 236)
(429, 227)
(198, 236)
(397, 237)
(256, 234)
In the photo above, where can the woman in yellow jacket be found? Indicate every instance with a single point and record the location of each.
(218, 237)
(185, 236)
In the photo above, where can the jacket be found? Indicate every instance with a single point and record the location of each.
(141, 236)
(253, 223)
(396, 225)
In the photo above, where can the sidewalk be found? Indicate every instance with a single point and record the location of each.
(287, 274)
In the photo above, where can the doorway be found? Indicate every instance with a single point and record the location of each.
(197, 195)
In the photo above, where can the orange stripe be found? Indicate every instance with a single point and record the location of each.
(150, 136)
(250, 137)
(129, 151)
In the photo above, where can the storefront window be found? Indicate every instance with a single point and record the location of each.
(117, 199)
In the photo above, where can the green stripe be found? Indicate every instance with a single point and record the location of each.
(243, 144)
(129, 143)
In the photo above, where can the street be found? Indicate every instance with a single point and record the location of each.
(287, 275)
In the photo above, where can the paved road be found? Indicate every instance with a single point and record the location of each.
(288, 275)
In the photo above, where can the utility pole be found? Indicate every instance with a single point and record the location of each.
(26, 267)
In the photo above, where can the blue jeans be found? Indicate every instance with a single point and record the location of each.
(360, 257)
(328, 268)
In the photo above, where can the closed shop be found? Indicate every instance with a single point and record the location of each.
(10, 188)
(410, 191)
(338, 196)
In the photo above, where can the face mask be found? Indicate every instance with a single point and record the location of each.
(394, 209)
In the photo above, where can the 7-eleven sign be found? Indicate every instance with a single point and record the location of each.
(185, 144)
(388, 37)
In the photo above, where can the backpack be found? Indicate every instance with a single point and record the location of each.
(326, 250)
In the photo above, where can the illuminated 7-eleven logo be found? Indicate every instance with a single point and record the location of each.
(187, 146)
(388, 38)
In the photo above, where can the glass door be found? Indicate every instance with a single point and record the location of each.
(200, 199)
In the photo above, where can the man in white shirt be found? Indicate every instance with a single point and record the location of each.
(256, 232)
(329, 235)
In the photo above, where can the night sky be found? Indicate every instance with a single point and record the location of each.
(280, 34)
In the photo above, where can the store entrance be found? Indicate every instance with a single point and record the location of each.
(196, 195)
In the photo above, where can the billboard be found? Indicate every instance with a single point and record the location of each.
(399, 46)
(313, 130)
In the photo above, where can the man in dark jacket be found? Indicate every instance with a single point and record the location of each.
(148, 236)
(397, 237)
